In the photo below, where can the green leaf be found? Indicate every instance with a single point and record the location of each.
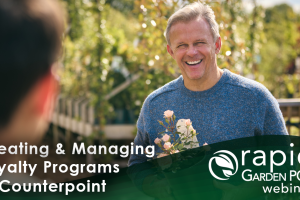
(160, 122)
(166, 119)
(161, 133)
(180, 147)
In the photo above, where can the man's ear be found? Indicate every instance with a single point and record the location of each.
(218, 45)
(170, 51)
(45, 94)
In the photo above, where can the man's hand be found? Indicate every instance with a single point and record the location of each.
(158, 188)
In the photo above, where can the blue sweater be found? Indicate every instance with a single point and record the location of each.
(235, 107)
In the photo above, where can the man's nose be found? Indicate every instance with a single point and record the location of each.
(192, 51)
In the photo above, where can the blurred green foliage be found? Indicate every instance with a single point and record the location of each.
(279, 50)
(107, 42)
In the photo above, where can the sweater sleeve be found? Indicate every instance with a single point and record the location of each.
(139, 168)
(270, 117)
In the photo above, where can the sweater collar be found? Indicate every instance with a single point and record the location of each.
(204, 93)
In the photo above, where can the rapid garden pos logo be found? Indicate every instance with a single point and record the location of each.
(226, 162)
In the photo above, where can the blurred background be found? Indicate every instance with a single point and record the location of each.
(115, 55)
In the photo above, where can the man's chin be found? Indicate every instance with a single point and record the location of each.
(192, 76)
(195, 77)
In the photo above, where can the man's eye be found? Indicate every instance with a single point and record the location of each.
(182, 45)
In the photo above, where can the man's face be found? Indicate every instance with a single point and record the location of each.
(193, 48)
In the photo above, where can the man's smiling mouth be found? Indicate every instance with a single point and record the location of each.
(194, 62)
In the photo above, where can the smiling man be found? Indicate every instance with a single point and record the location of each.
(221, 105)
(194, 48)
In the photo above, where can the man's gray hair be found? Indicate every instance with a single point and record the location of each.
(191, 12)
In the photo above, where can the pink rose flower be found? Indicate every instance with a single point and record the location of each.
(188, 122)
(167, 145)
(157, 141)
(206, 147)
(174, 151)
(166, 138)
(162, 155)
(168, 113)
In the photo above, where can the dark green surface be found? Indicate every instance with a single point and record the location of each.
(190, 178)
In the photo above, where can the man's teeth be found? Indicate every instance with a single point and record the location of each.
(194, 62)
